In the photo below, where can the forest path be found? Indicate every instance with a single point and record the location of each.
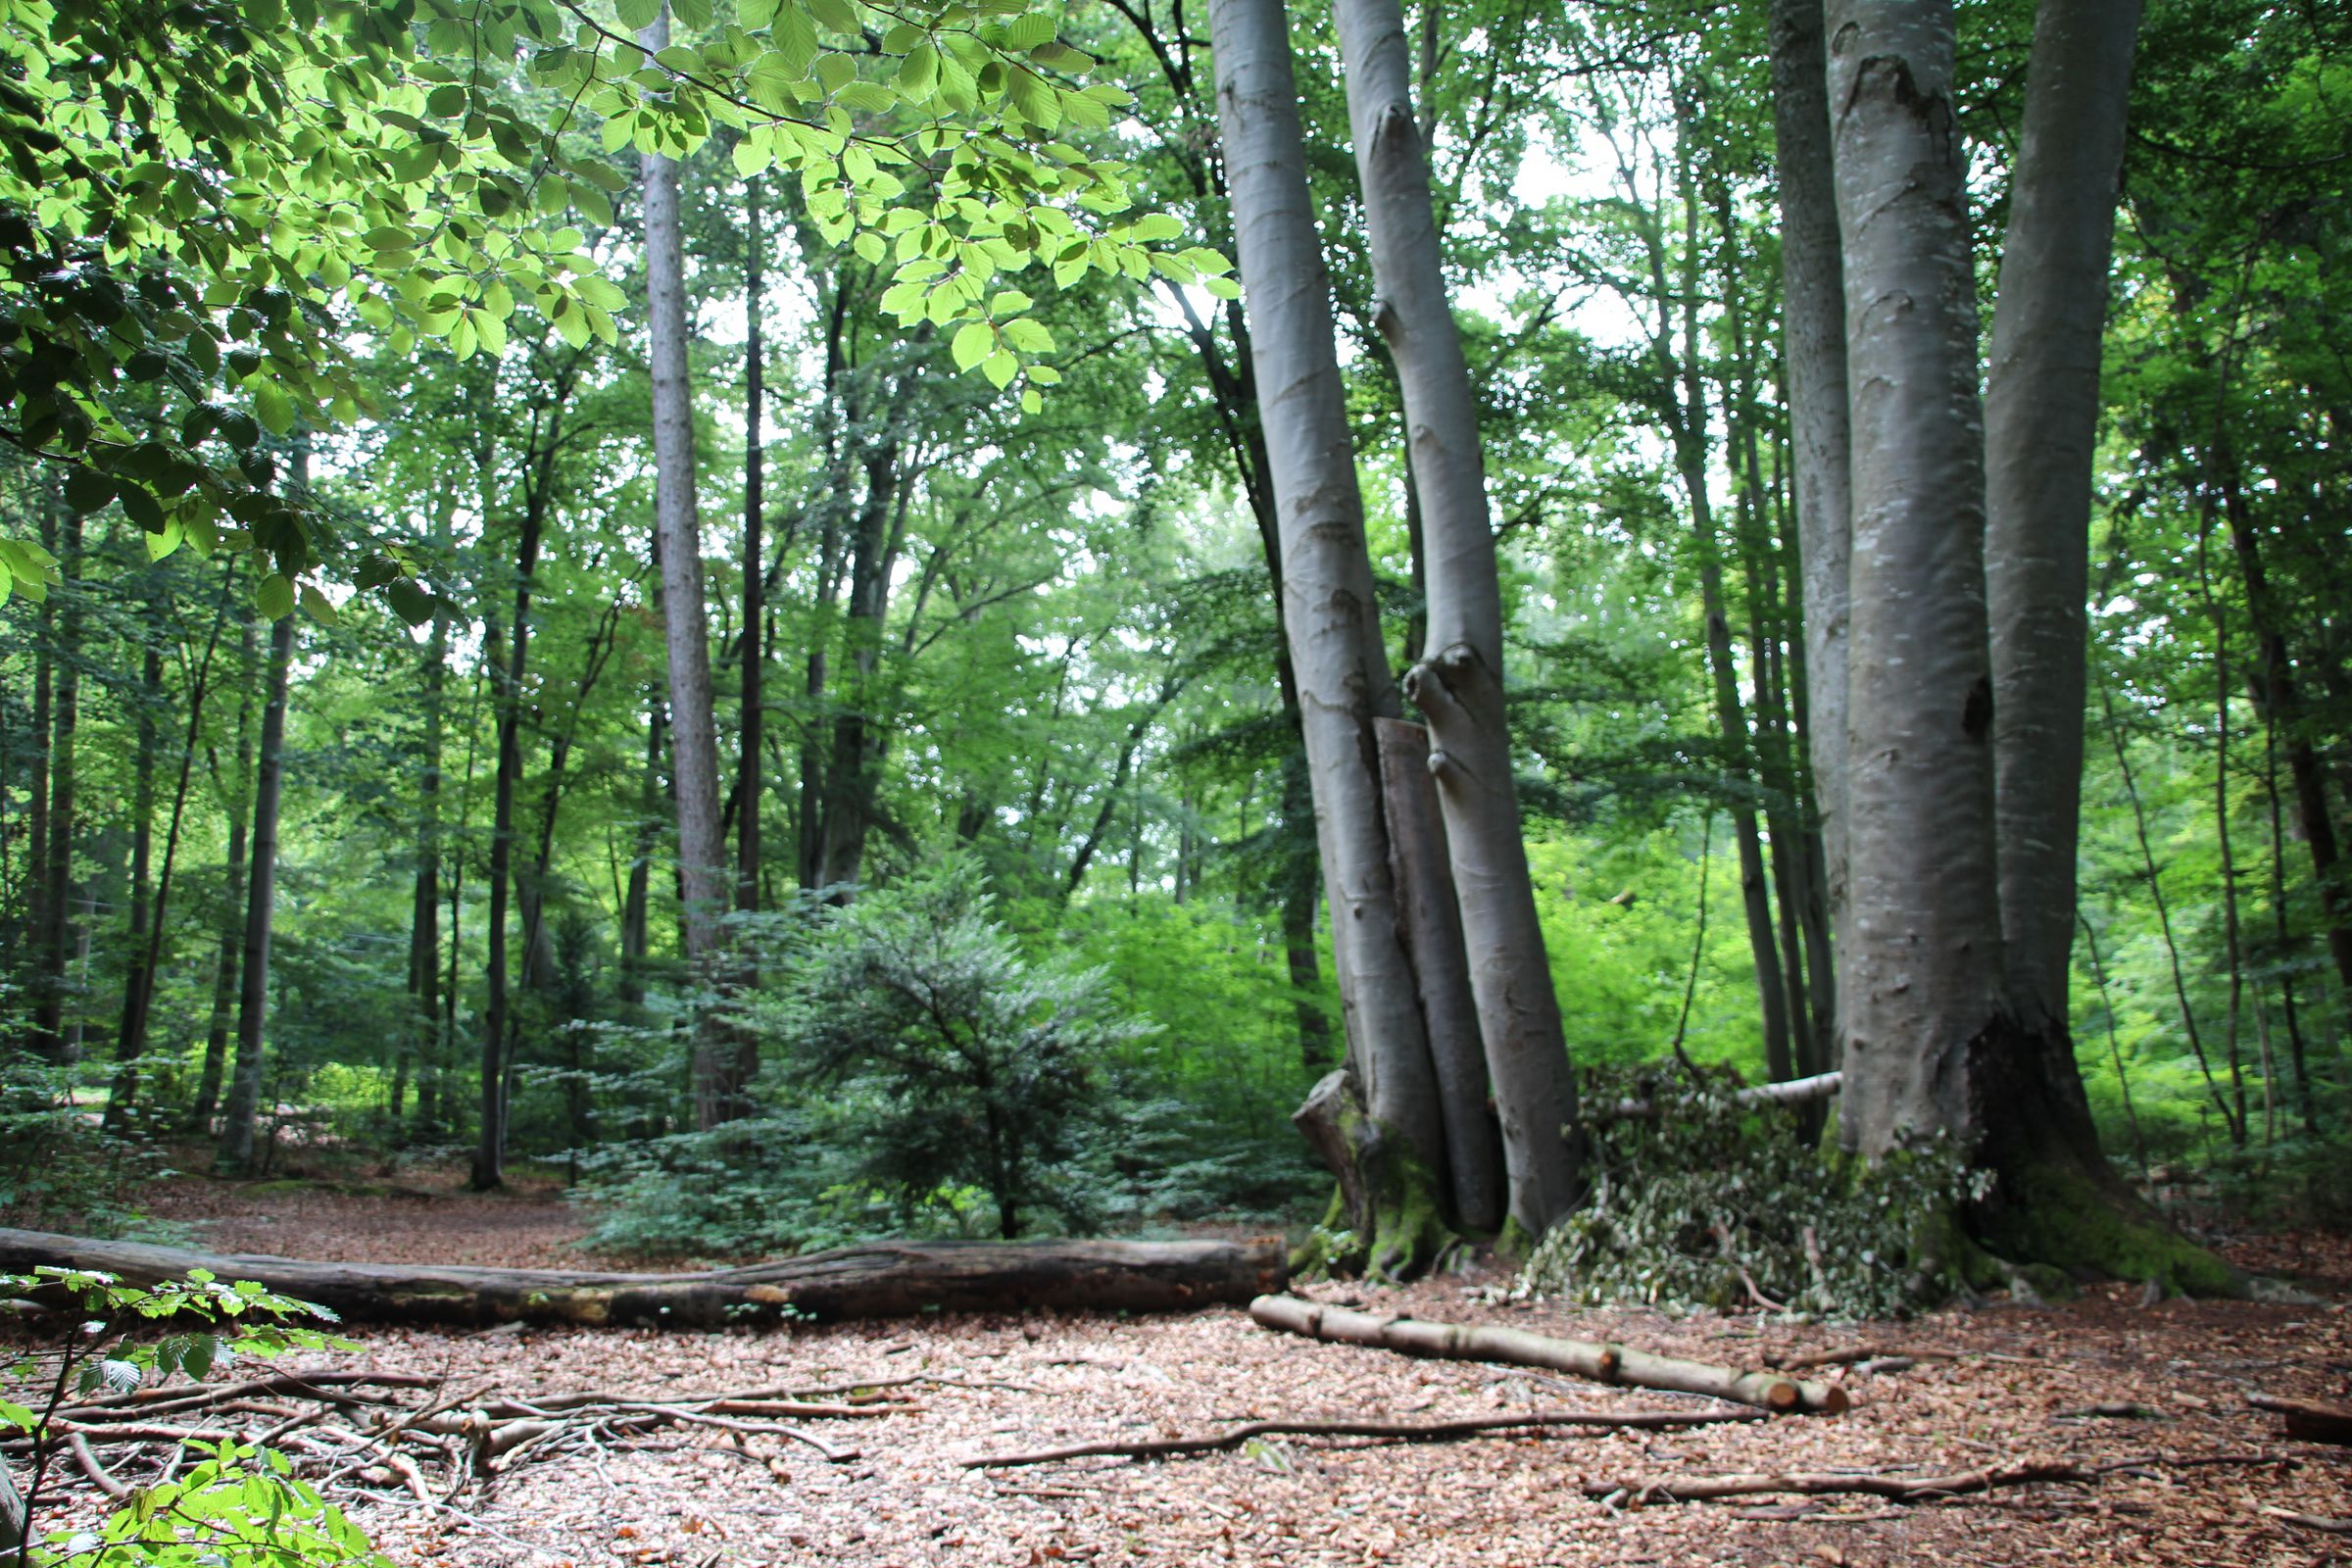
(2015, 1391)
(416, 1216)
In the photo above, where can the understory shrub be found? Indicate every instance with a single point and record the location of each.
(1701, 1200)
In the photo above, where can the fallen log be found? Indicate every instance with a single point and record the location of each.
(888, 1279)
(1900, 1487)
(1405, 1431)
(2311, 1420)
(1592, 1359)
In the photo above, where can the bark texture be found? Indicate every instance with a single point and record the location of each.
(1813, 343)
(719, 1076)
(895, 1279)
(2042, 429)
(1329, 614)
(1458, 683)
(1433, 928)
(1921, 984)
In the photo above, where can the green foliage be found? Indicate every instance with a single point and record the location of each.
(1704, 1202)
(61, 1167)
(240, 1506)
(980, 1064)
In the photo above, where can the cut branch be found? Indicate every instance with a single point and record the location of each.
(1615, 1364)
(1403, 1431)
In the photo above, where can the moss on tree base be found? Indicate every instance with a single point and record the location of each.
(2053, 1216)
(1386, 1219)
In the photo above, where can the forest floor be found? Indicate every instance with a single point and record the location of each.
(2020, 1383)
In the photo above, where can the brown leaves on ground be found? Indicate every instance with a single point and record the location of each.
(2090, 1382)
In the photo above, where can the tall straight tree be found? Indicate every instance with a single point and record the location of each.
(1458, 684)
(1938, 1038)
(2041, 390)
(261, 896)
(718, 1062)
(748, 783)
(1331, 618)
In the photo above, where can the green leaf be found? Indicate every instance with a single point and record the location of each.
(637, 14)
(319, 607)
(975, 343)
(1001, 368)
(411, 603)
(273, 597)
(273, 408)
(86, 490)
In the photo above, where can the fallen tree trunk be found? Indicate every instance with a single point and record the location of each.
(2311, 1420)
(1585, 1358)
(891, 1279)
(1402, 1431)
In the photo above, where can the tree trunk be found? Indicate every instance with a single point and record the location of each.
(1433, 938)
(1330, 617)
(261, 889)
(1813, 343)
(513, 665)
(1458, 684)
(851, 776)
(2041, 416)
(51, 1037)
(887, 1279)
(227, 981)
(718, 1079)
(750, 786)
(1922, 983)
(636, 909)
(423, 1035)
(130, 1032)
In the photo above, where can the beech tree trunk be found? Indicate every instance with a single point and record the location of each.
(886, 1279)
(1331, 619)
(1458, 683)
(719, 1076)
(1922, 983)
(2042, 392)
(1432, 937)
(424, 910)
(1813, 345)
(261, 897)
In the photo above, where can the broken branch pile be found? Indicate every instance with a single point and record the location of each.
(1616, 1364)
(399, 1428)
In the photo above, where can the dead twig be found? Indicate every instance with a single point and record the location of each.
(2310, 1521)
(1905, 1488)
(100, 1475)
(1405, 1431)
(1854, 1354)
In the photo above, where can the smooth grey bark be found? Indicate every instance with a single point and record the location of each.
(1459, 682)
(1433, 927)
(718, 1062)
(1922, 981)
(1329, 611)
(1813, 347)
(2041, 393)
(52, 1039)
(261, 893)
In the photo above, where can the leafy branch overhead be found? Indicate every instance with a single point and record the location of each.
(211, 212)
